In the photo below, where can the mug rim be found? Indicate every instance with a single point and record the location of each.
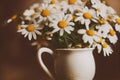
(75, 49)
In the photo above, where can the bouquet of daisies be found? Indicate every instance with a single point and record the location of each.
(71, 24)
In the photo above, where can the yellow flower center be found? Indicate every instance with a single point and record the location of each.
(77, 11)
(45, 13)
(71, 1)
(36, 9)
(14, 17)
(110, 17)
(19, 27)
(103, 21)
(30, 28)
(118, 20)
(104, 45)
(90, 32)
(53, 2)
(99, 9)
(112, 32)
(33, 15)
(87, 15)
(62, 24)
(73, 18)
(100, 40)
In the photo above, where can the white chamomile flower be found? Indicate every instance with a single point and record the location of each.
(35, 7)
(74, 4)
(29, 14)
(63, 6)
(112, 36)
(95, 2)
(89, 36)
(101, 9)
(46, 11)
(29, 30)
(116, 20)
(70, 5)
(62, 23)
(50, 1)
(85, 16)
(110, 11)
(107, 50)
(104, 28)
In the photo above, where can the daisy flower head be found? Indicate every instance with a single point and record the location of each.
(86, 16)
(30, 14)
(103, 46)
(107, 50)
(76, 2)
(31, 30)
(110, 10)
(50, 1)
(89, 36)
(95, 2)
(35, 7)
(47, 11)
(104, 28)
(116, 20)
(72, 5)
(112, 36)
(100, 9)
(62, 23)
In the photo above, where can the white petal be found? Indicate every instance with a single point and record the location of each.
(55, 30)
(85, 38)
(30, 36)
(61, 32)
(68, 18)
(71, 23)
(39, 33)
(26, 34)
(69, 28)
(34, 43)
(96, 38)
(99, 47)
(34, 35)
(82, 31)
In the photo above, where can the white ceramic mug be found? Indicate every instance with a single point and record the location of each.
(70, 64)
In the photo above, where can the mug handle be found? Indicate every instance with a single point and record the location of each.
(40, 52)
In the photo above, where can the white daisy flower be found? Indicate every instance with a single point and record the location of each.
(116, 20)
(62, 23)
(35, 7)
(100, 9)
(29, 30)
(47, 11)
(71, 5)
(110, 10)
(89, 36)
(63, 6)
(50, 1)
(107, 50)
(85, 16)
(104, 29)
(28, 14)
(112, 36)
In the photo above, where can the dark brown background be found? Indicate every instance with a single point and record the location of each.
(18, 60)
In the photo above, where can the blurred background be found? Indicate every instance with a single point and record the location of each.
(18, 59)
